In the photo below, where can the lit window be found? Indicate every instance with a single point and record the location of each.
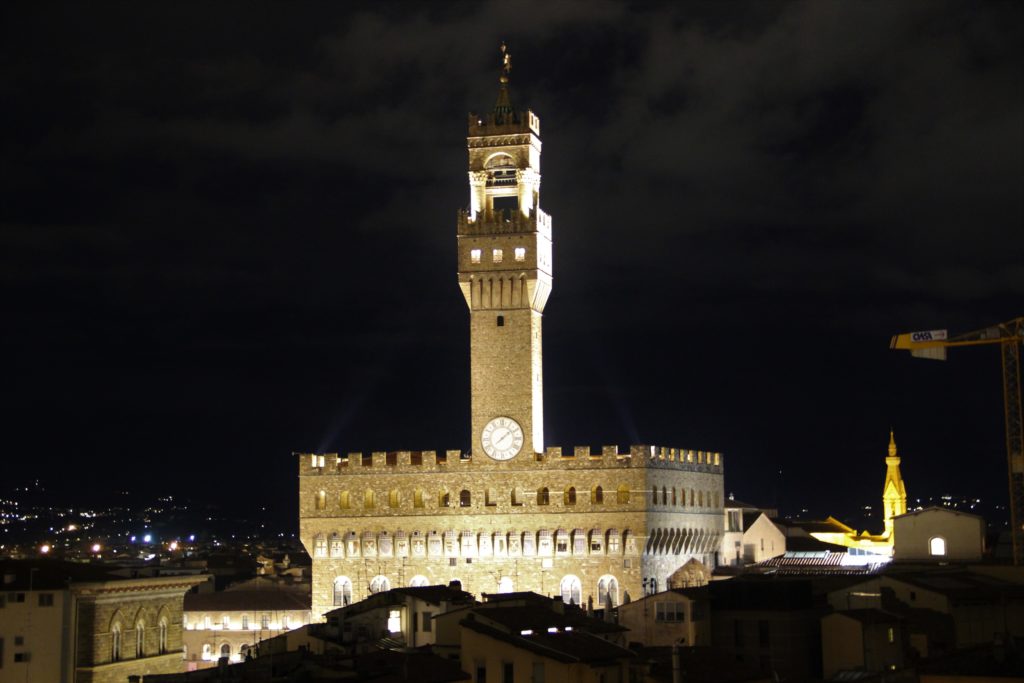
(520, 253)
(394, 621)
(497, 255)
(474, 255)
(937, 546)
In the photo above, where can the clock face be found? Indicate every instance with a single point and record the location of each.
(502, 438)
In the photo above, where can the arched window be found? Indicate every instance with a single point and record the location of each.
(597, 495)
(115, 643)
(570, 587)
(505, 585)
(542, 495)
(140, 639)
(393, 498)
(417, 498)
(379, 584)
(225, 650)
(419, 580)
(517, 496)
(207, 651)
(243, 652)
(937, 546)
(622, 495)
(490, 497)
(465, 498)
(342, 591)
(664, 496)
(345, 500)
(654, 495)
(443, 499)
(321, 500)
(608, 591)
(700, 499)
(319, 546)
(674, 496)
(569, 497)
(369, 499)
(161, 641)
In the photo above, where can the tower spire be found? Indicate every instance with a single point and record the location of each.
(894, 492)
(503, 107)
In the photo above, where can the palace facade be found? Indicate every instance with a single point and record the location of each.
(512, 514)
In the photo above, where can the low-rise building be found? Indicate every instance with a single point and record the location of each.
(938, 534)
(230, 623)
(861, 640)
(680, 616)
(84, 623)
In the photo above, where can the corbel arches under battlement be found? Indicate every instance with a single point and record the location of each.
(500, 291)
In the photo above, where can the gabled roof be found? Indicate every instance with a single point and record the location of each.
(937, 508)
(247, 600)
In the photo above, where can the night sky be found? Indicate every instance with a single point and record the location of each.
(227, 233)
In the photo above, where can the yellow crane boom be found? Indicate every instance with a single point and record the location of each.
(1010, 336)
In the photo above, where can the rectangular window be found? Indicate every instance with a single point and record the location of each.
(538, 672)
(17, 597)
(497, 255)
(507, 673)
(394, 621)
(264, 621)
(46, 599)
(20, 657)
(245, 622)
(474, 255)
(428, 622)
(501, 321)
(892, 635)
(481, 672)
(520, 253)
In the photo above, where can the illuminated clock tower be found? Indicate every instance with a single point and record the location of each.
(504, 243)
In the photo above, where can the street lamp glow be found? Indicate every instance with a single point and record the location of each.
(147, 538)
(96, 547)
(45, 548)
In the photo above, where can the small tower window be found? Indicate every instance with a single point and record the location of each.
(474, 255)
(520, 253)
(497, 255)
(501, 321)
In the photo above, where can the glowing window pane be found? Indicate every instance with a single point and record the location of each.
(474, 255)
(520, 253)
(497, 255)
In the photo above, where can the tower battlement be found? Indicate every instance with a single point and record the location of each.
(502, 123)
(503, 222)
(554, 458)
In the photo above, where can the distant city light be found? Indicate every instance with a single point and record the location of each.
(45, 548)
(192, 537)
(173, 545)
(147, 538)
(133, 539)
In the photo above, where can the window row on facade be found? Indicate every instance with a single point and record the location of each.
(368, 499)
(497, 255)
(570, 587)
(241, 622)
(211, 653)
(131, 642)
(470, 544)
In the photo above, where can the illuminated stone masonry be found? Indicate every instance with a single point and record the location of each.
(510, 514)
(583, 524)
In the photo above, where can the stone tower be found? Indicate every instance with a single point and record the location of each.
(504, 260)
(894, 493)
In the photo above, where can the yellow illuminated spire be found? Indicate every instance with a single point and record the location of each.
(894, 493)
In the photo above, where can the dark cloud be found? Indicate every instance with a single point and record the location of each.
(228, 233)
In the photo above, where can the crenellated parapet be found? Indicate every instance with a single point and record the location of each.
(503, 123)
(553, 458)
(503, 222)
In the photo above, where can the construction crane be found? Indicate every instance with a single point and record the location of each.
(932, 344)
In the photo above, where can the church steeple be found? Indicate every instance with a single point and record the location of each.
(894, 493)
